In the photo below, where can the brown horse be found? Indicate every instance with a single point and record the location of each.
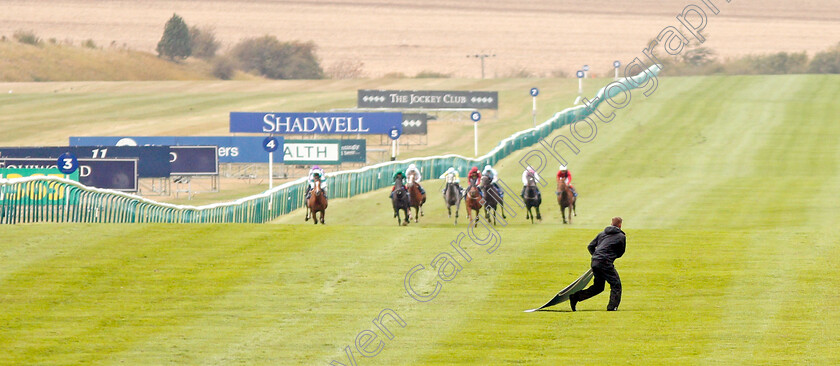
(317, 202)
(416, 199)
(565, 198)
(473, 202)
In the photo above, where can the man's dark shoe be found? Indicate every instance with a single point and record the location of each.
(612, 309)
(573, 303)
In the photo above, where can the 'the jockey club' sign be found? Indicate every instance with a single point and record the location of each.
(315, 123)
(435, 99)
(415, 123)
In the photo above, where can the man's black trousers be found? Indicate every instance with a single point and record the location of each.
(604, 272)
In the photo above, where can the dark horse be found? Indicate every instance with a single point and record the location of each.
(492, 199)
(400, 201)
(473, 203)
(416, 198)
(317, 202)
(532, 199)
(452, 197)
(566, 199)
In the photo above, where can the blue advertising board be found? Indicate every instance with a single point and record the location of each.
(152, 161)
(117, 174)
(231, 149)
(315, 123)
(194, 160)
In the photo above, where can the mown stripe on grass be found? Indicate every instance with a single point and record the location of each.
(125, 284)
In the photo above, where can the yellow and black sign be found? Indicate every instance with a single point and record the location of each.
(36, 192)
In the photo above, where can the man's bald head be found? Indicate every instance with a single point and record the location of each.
(616, 221)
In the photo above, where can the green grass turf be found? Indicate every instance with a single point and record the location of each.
(727, 186)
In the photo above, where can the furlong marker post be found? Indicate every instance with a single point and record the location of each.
(616, 64)
(270, 144)
(475, 116)
(271, 170)
(580, 74)
(394, 135)
(534, 92)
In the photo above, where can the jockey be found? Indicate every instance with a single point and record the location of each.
(473, 176)
(451, 175)
(532, 173)
(398, 173)
(492, 173)
(413, 171)
(316, 170)
(565, 174)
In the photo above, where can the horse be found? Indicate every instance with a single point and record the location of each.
(565, 198)
(491, 198)
(416, 199)
(400, 201)
(499, 200)
(317, 202)
(532, 199)
(452, 197)
(473, 202)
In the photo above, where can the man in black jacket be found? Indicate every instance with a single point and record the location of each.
(605, 248)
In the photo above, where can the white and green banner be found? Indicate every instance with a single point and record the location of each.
(324, 152)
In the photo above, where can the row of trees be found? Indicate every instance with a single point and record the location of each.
(266, 56)
(271, 58)
(703, 61)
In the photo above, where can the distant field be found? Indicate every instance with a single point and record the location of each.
(57, 62)
(727, 186)
(406, 36)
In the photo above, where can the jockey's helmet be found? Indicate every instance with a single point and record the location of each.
(529, 169)
(315, 167)
(487, 167)
(563, 168)
(412, 167)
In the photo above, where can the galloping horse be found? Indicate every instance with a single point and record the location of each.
(400, 201)
(532, 199)
(416, 199)
(473, 203)
(566, 199)
(317, 202)
(452, 197)
(491, 198)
